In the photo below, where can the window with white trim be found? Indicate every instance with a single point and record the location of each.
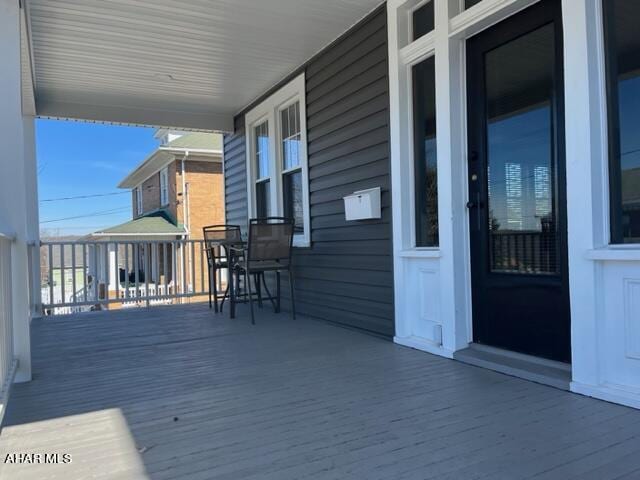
(277, 171)
(164, 186)
(139, 199)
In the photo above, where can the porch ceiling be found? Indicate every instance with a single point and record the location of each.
(189, 64)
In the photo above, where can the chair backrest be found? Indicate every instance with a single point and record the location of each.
(270, 238)
(216, 235)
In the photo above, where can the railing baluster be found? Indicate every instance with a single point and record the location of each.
(203, 287)
(174, 269)
(95, 273)
(73, 271)
(62, 296)
(146, 271)
(50, 249)
(117, 271)
(84, 271)
(136, 261)
(126, 270)
(165, 267)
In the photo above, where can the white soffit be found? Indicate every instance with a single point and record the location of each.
(185, 64)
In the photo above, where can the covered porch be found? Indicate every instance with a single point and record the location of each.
(179, 392)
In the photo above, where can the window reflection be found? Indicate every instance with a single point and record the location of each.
(520, 167)
(623, 58)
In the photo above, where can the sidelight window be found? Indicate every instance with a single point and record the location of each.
(425, 154)
(623, 81)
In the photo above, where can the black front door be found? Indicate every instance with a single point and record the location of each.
(517, 193)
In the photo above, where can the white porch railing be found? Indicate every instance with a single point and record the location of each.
(8, 362)
(85, 275)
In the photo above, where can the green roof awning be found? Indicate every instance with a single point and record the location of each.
(154, 223)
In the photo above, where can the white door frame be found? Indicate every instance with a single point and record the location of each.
(433, 285)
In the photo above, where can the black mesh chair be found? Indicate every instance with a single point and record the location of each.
(268, 250)
(217, 239)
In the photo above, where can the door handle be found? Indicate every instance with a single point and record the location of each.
(477, 205)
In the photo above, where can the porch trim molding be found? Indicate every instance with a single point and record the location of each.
(203, 121)
(609, 392)
(420, 343)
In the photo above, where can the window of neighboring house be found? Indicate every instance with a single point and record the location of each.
(425, 154)
(622, 44)
(139, 199)
(277, 174)
(164, 187)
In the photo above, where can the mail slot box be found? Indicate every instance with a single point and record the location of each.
(363, 204)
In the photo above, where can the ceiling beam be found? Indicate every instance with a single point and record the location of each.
(125, 115)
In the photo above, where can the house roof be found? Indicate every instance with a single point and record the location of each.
(206, 146)
(159, 222)
(196, 141)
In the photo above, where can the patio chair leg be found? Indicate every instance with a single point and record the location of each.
(256, 281)
(277, 291)
(224, 297)
(232, 294)
(293, 301)
(215, 288)
(248, 284)
(266, 289)
(209, 273)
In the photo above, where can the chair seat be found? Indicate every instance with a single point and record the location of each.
(265, 265)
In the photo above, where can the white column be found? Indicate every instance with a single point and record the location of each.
(452, 187)
(17, 179)
(586, 217)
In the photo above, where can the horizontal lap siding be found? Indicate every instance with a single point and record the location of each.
(235, 176)
(346, 275)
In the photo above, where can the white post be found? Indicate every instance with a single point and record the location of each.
(452, 183)
(113, 275)
(586, 210)
(17, 192)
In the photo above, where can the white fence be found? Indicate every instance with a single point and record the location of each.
(85, 275)
(8, 362)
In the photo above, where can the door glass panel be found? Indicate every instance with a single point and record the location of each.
(520, 155)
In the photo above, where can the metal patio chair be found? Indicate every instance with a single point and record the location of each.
(268, 250)
(217, 240)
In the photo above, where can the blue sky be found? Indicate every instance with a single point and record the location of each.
(76, 159)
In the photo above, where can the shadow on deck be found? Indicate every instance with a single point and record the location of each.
(178, 392)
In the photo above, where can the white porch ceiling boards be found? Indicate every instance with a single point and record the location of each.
(189, 63)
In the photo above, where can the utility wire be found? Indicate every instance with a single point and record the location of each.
(84, 196)
(93, 214)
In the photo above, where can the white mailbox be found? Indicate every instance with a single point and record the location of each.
(363, 204)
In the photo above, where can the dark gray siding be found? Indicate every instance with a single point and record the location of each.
(346, 275)
(235, 176)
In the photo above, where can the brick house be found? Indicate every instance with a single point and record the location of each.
(175, 192)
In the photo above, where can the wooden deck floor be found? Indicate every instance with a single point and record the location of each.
(177, 392)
